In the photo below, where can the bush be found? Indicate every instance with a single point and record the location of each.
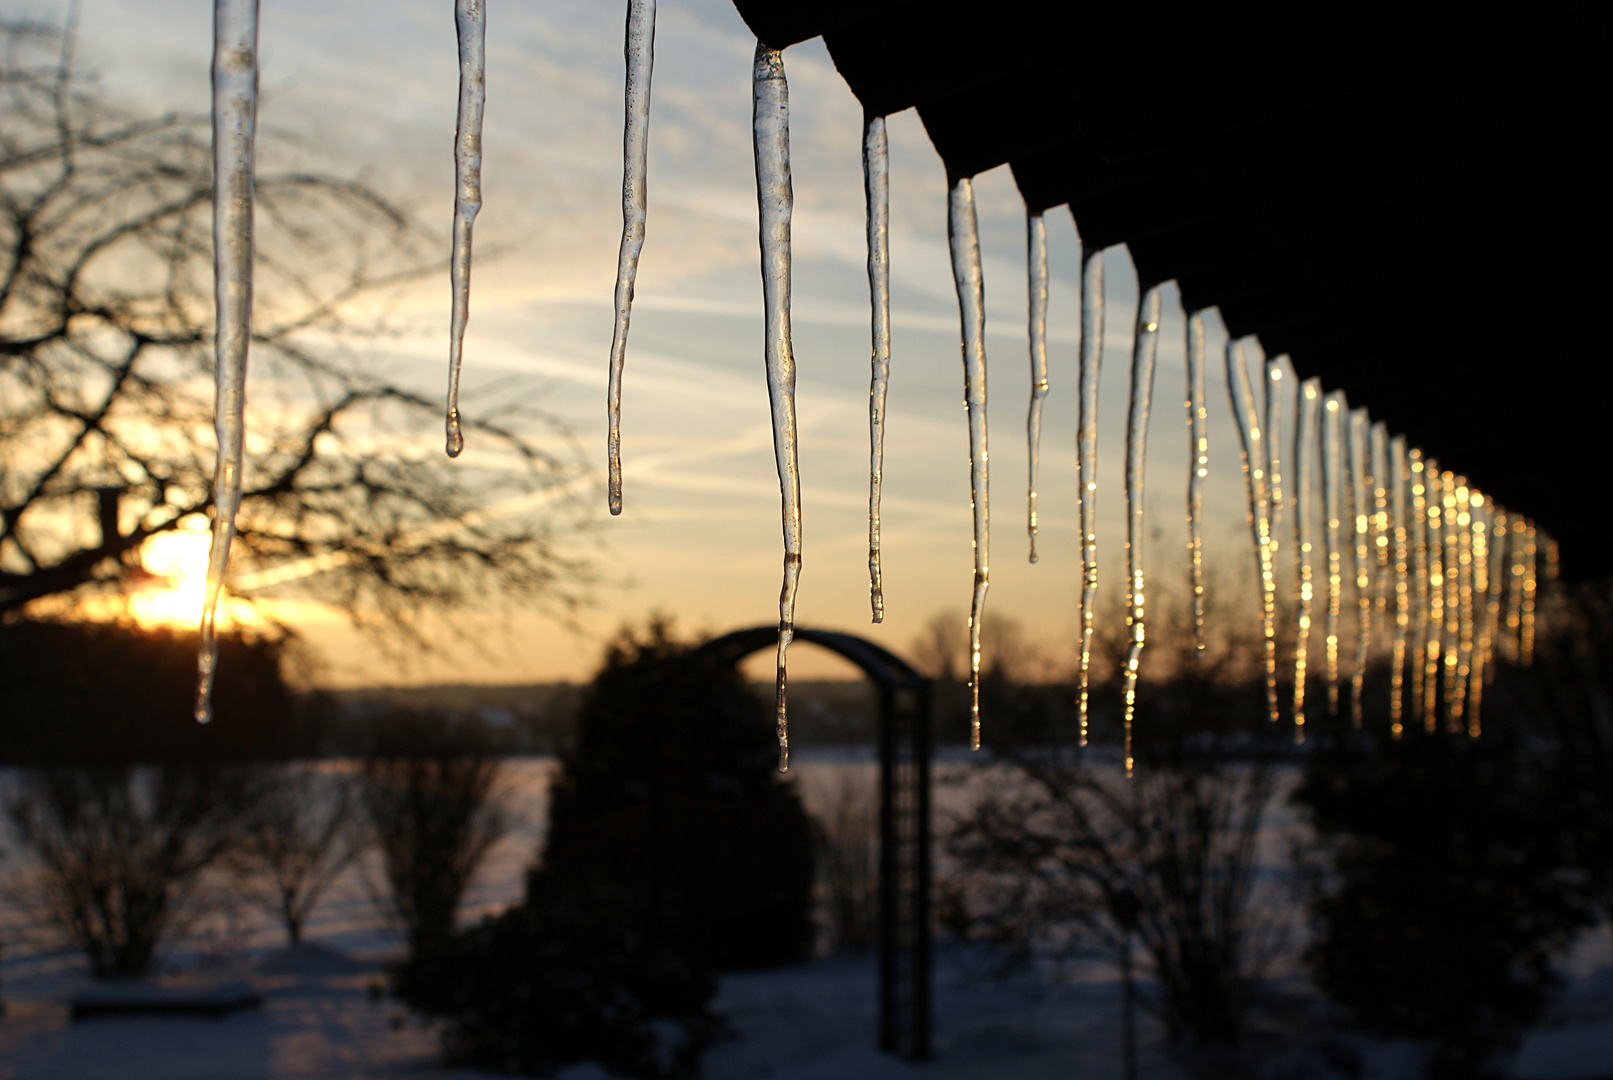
(590, 973)
(1449, 885)
(672, 793)
(79, 693)
(120, 850)
(427, 788)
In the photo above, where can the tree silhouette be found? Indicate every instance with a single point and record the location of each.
(105, 371)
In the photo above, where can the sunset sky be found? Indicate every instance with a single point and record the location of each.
(369, 90)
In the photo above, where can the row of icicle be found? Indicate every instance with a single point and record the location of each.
(1451, 574)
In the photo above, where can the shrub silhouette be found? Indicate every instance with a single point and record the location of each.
(1450, 887)
(674, 851)
(672, 792)
(584, 972)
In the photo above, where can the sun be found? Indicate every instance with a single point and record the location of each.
(176, 562)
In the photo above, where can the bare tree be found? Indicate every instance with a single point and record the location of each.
(846, 835)
(105, 370)
(428, 789)
(297, 841)
(1062, 850)
(119, 851)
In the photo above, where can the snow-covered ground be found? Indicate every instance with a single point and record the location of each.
(321, 1018)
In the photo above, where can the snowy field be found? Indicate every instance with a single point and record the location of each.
(322, 1019)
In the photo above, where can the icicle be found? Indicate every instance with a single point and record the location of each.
(1453, 600)
(1399, 479)
(470, 18)
(1515, 549)
(1381, 532)
(1276, 405)
(963, 237)
(639, 54)
(1481, 607)
(1464, 596)
(1086, 462)
(775, 201)
(1417, 533)
(1496, 598)
(1145, 345)
(235, 117)
(1334, 411)
(1305, 439)
(1036, 286)
(876, 188)
(1526, 620)
(1361, 506)
(1254, 475)
(1433, 481)
(1198, 468)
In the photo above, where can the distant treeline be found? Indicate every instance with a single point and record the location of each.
(80, 693)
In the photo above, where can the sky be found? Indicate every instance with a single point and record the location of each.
(369, 90)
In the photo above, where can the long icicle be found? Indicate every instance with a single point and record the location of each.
(1416, 527)
(1254, 475)
(1399, 480)
(1433, 482)
(1198, 469)
(639, 54)
(1036, 286)
(963, 239)
(1453, 602)
(1361, 514)
(1381, 530)
(1302, 483)
(235, 118)
(1515, 556)
(1464, 593)
(876, 189)
(1334, 411)
(1086, 464)
(1144, 349)
(1482, 510)
(470, 19)
(1526, 619)
(1277, 395)
(1495, 599)
(770, 120)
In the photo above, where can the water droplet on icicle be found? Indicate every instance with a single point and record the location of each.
(1036, 287)
(1144, 348)
(770, 121)
(639, 53)
(1254, 475)
(1399, 481)
(470, 18)
(1360, 490)
(235, 116)
(876, 187)
(1198, 469)
(963, 238)
(1306, 436)
(1334, 410)
(1086, 464)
